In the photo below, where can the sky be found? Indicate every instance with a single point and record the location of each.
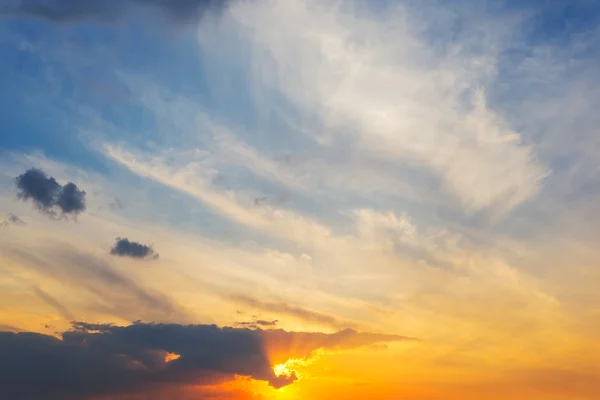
(299, 199)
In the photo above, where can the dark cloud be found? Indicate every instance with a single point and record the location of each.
(124, 248)
(266, 323)
(64, 11)
(105, 360)
(12, 220)
(71, 199)
(256, 323)
(48, 195)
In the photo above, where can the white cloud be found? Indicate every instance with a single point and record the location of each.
(195, 179)
(379, 88)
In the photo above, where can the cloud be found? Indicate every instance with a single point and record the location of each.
(101, 359)
(109, 10)
(48, 195)
(284, 345)
(12, 220)
(195, 180)
(124, 248)
(293, 311)
(109, 291)
(116, 204)
(409, 104)
(256, 323)
(52, 302)
(9, 328)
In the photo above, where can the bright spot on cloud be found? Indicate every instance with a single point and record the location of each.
(169, 357)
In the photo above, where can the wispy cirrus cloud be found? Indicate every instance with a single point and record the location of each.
(406, 102)
(103, 10)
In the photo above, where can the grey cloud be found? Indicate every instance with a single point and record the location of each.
(116, 204)
(282, 308)
(125, 248)
(264, 200)
(71, 199)
(113, 293)
(105, 360)
(266, 323)
(12, 220)
(64, 11)
(259, 201)
(257, 323)
(52, 302)
(48, 195)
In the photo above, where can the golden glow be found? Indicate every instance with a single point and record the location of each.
(293, 366)
(171, 357)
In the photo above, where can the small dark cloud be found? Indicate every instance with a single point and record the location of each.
(71, 199)
(125, 248)
(266, 323)
(278, 201)
(94, 360)
(249, 325)
(48, 195)
(281, 308)
(257, 323)
(259, 201)
(68, 11)
(12, 219)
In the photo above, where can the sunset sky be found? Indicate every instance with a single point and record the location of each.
(299, 199)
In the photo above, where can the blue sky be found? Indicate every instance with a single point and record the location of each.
(433, 163)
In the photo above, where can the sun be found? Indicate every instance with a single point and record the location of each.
(283, 369)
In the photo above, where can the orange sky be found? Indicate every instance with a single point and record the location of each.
(383, 199)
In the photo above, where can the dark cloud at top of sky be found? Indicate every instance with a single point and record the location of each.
(48, 195)
(125, 248)
(179, 11)
(98, 359)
